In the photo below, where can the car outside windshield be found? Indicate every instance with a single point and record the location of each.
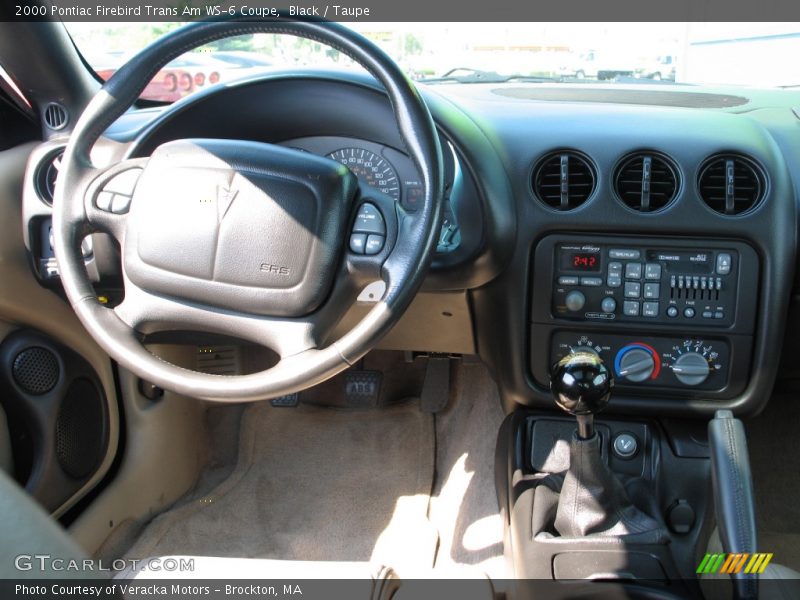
(739, 54)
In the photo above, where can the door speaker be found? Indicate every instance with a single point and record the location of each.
(36, 370)
(57, 413)
(80, 426)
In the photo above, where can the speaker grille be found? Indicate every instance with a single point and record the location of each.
(36, 370)
(80, 426)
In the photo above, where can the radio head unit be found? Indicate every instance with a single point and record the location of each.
(645, 282)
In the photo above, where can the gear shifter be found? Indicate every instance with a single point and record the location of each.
(581, 385)
(592, 502)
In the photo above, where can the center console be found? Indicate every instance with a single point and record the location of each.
(615, 499)
(671, 316)
(661, 321)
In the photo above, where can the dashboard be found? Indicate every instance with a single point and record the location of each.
(656, 228)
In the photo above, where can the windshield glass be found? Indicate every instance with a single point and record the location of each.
(742, 54)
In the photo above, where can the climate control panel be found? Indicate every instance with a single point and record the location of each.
(656, 362)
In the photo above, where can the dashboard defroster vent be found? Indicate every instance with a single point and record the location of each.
(731, 184)
(55, 116)
(646, 182)
(564, 180)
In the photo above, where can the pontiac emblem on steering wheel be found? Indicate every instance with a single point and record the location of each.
(225, 197)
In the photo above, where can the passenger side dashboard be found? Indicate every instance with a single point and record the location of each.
(601, 270)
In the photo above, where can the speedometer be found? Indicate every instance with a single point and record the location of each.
(371, 169)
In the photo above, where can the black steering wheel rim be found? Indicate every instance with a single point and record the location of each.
(403, 268)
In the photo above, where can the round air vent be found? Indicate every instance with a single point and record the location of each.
(55, 116)
(564, 180)
(731, 184)
(46, 176)
(646, 181)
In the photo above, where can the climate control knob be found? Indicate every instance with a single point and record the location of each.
(636, 363)
(691, 368)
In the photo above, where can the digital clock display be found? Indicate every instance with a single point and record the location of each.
(586, 262)
(580, 261)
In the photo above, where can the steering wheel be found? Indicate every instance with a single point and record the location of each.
(242, 238)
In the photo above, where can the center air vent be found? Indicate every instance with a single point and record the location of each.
(46, 175)
(731, 184)
(646, 181)
(564, 180)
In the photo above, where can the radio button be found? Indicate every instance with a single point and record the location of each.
(672, 311)
(627, 254)
(632, 289)
(630, 308)
(633, 271)
(652, 290)
(723, 263)
(566, 280)
(592, 281)
(650, 309)
(688, 312)
(614, 281)
(652, 271)
(608, 305)
(615, 268)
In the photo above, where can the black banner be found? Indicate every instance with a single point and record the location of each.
(405, 11)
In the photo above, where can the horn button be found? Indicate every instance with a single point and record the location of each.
(238, 225)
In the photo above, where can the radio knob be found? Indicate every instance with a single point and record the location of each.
(608, 305)
(635, 363)
(575, 300)
(691, 368)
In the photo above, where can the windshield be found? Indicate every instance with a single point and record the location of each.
(742, 54)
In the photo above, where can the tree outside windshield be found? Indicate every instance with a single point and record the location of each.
(746, 54)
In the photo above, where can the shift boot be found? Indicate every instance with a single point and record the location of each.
(594, 502)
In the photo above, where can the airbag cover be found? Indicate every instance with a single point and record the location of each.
(238, 225)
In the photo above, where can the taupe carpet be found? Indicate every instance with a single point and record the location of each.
(775, 463)
(314, 484)
(464, 504)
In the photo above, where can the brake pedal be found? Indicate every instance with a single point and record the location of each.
(362, 388)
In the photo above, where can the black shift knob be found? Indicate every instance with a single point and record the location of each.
(581, 383)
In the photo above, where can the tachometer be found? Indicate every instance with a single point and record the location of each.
(371, 169)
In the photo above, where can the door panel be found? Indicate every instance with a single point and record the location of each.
(24, 304)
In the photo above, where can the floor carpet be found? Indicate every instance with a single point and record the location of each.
(315, 484)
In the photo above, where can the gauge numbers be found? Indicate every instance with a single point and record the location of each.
(370, 169)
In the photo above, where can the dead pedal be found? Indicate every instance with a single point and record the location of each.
(362, 388)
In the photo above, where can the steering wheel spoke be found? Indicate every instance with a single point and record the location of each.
(372, 235)
(148, 313)
(108, 196)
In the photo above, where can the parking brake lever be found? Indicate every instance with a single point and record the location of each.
(733, 495)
